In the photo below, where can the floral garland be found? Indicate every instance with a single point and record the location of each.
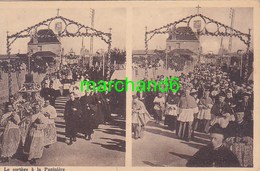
(167, 29)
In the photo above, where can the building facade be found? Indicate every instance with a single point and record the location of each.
(45, 40)
(183, 38)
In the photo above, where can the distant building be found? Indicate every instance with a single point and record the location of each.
(139, 55)
(45, 40)
(183, 38)
(72, 58)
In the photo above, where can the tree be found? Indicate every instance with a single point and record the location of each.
(118, 55)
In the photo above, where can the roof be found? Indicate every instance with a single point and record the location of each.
(183, 52)
(5, 57)
(142, 52)
(44, 54)
(183, 33)
(45, 36)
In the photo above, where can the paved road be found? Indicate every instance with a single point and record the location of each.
(107, 147)
(160, 147)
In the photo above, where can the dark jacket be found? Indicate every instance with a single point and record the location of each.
(208, 157)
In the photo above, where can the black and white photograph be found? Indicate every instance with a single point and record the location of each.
(47, 116)
(207, 121)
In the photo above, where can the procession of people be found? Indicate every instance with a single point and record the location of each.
(211, 102)
(28, 121)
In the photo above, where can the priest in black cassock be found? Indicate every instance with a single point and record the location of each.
(48, 93)
(215, 154)
(87, 119)
(71, 115)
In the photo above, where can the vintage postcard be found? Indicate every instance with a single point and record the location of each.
(129, 85)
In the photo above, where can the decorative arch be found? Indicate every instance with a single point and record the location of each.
(220, 30)
(80, 31)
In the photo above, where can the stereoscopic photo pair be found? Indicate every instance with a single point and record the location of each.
(48, 118)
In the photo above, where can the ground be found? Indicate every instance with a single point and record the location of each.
(107, 147)
(160, 147)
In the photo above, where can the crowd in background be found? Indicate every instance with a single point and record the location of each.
(208, 97)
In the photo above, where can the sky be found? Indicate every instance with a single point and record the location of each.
(156, 17)
(14, 20)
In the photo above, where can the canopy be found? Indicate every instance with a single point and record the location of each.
(118, 75)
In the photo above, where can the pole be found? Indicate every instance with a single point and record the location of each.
(146, 53)
(166, 63)
(198, 33)
(247, 56)
(103, 64)
(241, 64)
(231, 16)
(92, 16)
(109, 55)
(8, 50)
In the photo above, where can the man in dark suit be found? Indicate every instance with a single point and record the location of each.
(72, 114)
(221, 107)
(215, 154)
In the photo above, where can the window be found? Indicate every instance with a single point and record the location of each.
(39, 48)
(169, 48)
(178, 45)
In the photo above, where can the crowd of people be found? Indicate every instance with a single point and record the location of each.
(27, 122)
(27, 126)
(210, 102)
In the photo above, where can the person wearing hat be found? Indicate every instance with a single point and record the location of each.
(229, 99)
(239, 138)
(239, 127)
(187, 108)
(247, 104)
(47, 92)
(214, 154)
(221, 107)
(140, 117)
